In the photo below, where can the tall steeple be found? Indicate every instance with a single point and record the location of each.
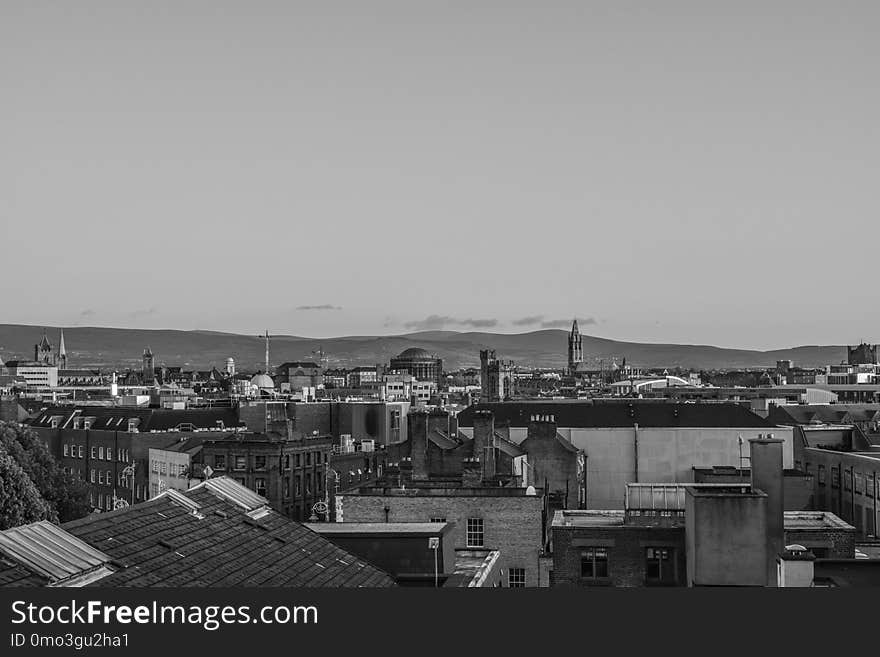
(62, 352)
(575, 348)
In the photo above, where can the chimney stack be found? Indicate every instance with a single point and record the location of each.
(765, 454)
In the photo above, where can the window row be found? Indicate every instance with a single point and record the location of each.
(97, 452)
(240, 462)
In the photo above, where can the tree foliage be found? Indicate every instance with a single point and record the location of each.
(20, 501)
(65, 496)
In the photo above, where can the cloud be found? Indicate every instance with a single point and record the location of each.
(528, 321)
(88, 312)
(566, 323)
(323, 306)
(434, 322)
(144, 312)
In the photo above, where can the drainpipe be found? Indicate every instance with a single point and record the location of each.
(874, 495)
(584, 502)
(636, 451)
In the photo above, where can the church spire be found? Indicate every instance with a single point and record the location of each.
(62, 352)
(575, 348)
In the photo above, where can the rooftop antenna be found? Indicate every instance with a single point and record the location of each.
(266, 336)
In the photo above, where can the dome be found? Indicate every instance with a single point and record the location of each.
(415, 353)
(263, 382)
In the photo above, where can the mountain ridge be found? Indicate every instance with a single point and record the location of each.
(97, 346)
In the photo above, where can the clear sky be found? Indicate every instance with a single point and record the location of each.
(666, 171)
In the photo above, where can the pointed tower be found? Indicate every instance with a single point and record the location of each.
(149, 370)
(62, 352)
(43, 351)
(575, 348)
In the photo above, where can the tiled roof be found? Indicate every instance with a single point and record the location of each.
(646, 414)
(164, 542)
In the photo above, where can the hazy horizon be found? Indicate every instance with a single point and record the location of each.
(682, 172)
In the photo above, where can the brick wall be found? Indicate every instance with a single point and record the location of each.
(512, 525)
(626, 546)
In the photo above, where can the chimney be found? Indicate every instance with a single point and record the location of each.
(471, 473)
(765, 455)
(418, 439)
(484, 431)
(795, 567)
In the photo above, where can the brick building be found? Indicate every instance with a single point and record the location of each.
(694, 534)
(507, 520)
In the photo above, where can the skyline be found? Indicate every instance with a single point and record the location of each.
(677, 174)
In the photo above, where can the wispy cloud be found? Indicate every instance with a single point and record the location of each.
(323, 306)
(566, 323)
(88, 312)
(435, 322)
(531, 320)
(144, 312)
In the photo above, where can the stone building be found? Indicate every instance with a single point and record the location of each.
(421, 364)
(497, 377)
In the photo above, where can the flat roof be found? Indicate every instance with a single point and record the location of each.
(385, 528)
(589, 518)
(814, 520)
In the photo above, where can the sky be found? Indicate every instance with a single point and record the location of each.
(690, 172)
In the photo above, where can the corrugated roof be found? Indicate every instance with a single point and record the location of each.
(49, 551)
(234, 492)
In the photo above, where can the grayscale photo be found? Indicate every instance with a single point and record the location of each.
(431, 295)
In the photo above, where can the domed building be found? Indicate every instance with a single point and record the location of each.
(263, 383)
(421, 364)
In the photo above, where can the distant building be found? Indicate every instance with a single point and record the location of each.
(149, 372)
(863, 354)
(422, 365)
(294, 376)
(575, 349)
(35, 374)
(497, 378)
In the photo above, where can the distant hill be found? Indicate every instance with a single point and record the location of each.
(121, 347)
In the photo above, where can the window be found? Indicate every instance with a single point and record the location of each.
(260, 462)
(240, 463)
(94, 452)
(659, 566)
(260, 486)
(100, 476)
(847, 480)
(860, 482)
(297, 459)
(821, 471)
(437, 519)
(287, 461)
(475, 532)
(308, 459)
(109, 477)
(285, 487)
(101, 453)
(163, 468)
(66, 448)
(297, 486)
(81, 451)
(594, 563)
(835, 477)
(219, 461)
(92, 476)
(516, 578)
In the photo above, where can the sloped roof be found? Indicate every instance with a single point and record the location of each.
(585, 414)
(164, 543)
(115, 418)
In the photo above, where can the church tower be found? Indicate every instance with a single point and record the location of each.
(575, 348)
(43, 351)
(149, 371)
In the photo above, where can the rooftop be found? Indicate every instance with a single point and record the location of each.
(585, 414)
(380, 528)
(216, 534)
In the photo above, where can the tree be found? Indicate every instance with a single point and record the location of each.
(20, 501)
(66, 495)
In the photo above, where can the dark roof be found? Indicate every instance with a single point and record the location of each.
(115, 418)
(414, 353)
(825, 413)
(585, 414)
(204, 538)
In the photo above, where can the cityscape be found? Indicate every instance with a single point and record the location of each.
(405, 473)
(299, 299)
